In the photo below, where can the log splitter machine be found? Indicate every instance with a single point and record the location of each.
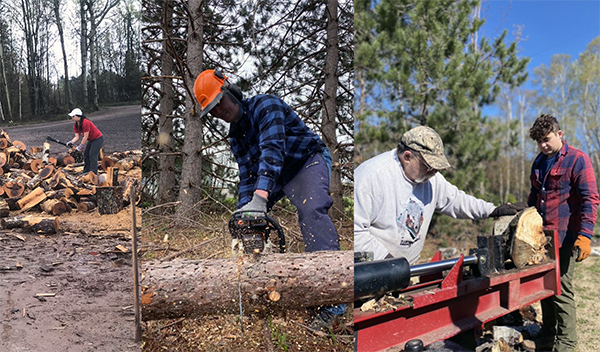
(475, 289)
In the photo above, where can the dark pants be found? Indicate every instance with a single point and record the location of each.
(558, 312)
(90, 155)
(309, 193)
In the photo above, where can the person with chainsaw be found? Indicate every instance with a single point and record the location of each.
(397, 192)
(565, 193)
(277, 155)
(91, 140)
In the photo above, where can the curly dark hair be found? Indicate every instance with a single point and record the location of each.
(542, 126)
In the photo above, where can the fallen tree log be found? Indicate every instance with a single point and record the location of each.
(32, 223)
(187, 288)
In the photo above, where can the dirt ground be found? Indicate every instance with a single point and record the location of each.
(92, 309)
(89, 278)
(267, 332)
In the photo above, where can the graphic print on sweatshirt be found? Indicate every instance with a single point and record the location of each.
(409, 223)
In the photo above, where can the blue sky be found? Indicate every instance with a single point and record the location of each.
(549, 26)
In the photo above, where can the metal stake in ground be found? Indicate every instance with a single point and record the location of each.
(136, 292)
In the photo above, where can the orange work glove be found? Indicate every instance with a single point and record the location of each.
(584, 245)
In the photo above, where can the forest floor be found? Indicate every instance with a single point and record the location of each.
(268, 332)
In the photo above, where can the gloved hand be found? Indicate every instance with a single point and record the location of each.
(70, 144)
(79, 147)
(584, 244)
(257, 204)
(508, 209)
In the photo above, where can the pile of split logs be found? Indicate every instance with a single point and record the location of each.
(33, 181)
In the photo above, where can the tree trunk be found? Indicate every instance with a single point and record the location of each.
(83, 46)
(191, 170)
(6, 90)
(166, 177)
(273, 282)
(329, 125)
(32, 223)
(56, 4)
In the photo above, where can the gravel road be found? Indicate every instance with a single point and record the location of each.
(120, 125)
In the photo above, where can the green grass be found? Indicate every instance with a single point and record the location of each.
(278, 337)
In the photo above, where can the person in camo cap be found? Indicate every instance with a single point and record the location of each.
(397, 192)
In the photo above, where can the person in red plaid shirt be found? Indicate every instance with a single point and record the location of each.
(565, 193)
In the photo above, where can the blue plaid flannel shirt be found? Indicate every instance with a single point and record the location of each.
(270, 144)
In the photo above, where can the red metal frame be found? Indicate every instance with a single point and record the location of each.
(455, 305)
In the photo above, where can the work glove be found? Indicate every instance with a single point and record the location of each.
(70, 144)
(256, 205)
(79, 147)
(508, 209)
(584, 244)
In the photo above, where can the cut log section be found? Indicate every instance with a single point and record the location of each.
(86, 206)
(55, 207)
(107, 162)
(19, 145)
(90, 178)
(13, 189)
(36, 165)
(188, 288)
(43, 174)
(524, 236)
(32, 223)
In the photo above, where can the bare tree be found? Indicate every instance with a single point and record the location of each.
(56, 7)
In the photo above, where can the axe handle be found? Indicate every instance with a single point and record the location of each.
(56, 141)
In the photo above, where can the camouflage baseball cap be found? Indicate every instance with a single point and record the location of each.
(426, 141)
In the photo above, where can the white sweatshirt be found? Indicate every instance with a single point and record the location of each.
(392, 213)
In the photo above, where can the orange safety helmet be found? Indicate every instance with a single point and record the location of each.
(209, 88)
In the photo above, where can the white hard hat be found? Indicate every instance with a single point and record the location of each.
(76, 112)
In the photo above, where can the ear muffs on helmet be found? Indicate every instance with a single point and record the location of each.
(209, 87)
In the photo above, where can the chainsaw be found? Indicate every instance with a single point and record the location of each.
(76, 154)
(250, 232)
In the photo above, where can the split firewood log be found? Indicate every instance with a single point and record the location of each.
(3, 143)
(13, 189)
(36, 150)
(188, 288)
(32, 199)
(55, 207)
(125, 164)
(52, 160)
(3, 159)
(90, 178)
(42, 175)
(37, 224)
(70, 202)
(524, 237)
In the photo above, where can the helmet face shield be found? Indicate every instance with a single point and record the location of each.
(208, 89)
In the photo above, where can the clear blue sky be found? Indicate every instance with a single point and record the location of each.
(549, 26)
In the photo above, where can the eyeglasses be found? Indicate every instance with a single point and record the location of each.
(420, 157)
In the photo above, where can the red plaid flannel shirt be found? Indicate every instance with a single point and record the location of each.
(567, 197)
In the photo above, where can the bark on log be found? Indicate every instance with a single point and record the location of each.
(110, 199)
(32, 199)
(32, 223)
(45, 173)
(4, 209)
(195, 287)
(525, 238)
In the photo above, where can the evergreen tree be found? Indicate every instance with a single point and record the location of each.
(429, 69)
